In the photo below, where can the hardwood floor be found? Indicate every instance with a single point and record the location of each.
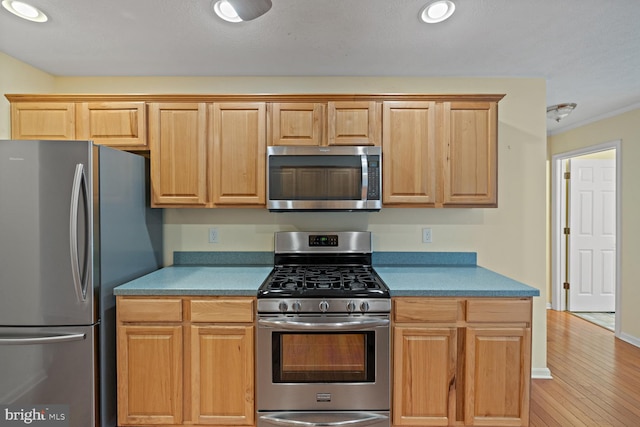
(596, 377)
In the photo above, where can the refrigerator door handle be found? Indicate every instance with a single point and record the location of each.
(42, 340)
(79, 188)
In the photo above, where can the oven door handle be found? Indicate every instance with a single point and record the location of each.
(293, 419)
(297, 325)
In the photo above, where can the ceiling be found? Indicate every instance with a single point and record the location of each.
(588, 51)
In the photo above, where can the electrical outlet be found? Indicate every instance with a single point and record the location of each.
(213, 235)
(426, 235)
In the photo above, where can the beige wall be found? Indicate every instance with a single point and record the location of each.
(18, 77)
(509, 239)
(624, 127)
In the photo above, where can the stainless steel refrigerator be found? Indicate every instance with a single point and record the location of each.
(75, 222)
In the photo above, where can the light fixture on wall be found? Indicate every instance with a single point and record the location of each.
(560, 111)
(240, 10)
(24, 10)
(437, 11)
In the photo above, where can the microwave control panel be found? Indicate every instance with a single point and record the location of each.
(373, 172)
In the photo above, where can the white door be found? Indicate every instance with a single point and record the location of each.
(592, 237)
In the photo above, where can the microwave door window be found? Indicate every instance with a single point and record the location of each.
(314, 178)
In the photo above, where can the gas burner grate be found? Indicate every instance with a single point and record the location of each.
(329, 280)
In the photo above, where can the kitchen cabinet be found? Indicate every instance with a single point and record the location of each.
(222, 361)
(115, 124)
(150, 361)
(208, 150)
(325, 123)
(408, 153)
(239, 153)
(461, 361)
(43, 120)
(185, 361)
(353, 123)
(498, 362)
(469, 142)
(297, 123)
(179, 154)
(440, 154)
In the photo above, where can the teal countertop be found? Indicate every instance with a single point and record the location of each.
(406, 274)
(198, 280)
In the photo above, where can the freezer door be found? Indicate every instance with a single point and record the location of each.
(50, 366)
(45, 233)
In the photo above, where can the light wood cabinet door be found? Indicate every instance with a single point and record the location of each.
(149, 375)
(239, 153)
(43, 120)
(297, 123)
(222, 378)
(116, 124)
(178, 149)
(424, 376)
(470, 154)
(498, 370)
(353, 123)
(408, 146)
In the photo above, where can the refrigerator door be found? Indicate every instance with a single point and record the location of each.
(45, 233)
(50, 366)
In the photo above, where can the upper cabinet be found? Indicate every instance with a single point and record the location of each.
(441, 153)
(210, 150)
(296, 123)
(408, 153)
(325, 123)
(116, 124)
(43, 120)
(353, 123)
(178, 142)
(239, 153)
(470, 143)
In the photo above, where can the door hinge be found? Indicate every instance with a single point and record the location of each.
(566, 230)
(566, 285)
(567, 175)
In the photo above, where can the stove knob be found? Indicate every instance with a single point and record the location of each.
(324, 306)
(364, 307)
(296, 306)
(351, 306)
(283, 307)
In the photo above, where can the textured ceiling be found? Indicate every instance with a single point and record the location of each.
(587, 50)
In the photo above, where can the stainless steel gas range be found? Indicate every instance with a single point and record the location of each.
(323, 339)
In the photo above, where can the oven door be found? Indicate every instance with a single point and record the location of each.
(323, 362)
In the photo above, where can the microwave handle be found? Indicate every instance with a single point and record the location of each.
(365, 176)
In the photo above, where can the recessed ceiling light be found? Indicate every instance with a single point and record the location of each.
(224, 10)
(437, 11)
(240, 10)
(24, 11)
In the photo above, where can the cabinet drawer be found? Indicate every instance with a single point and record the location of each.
(149, 309)
(227, 310)
(427, 309)
(498, 310)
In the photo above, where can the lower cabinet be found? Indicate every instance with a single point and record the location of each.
(185, 361)
(461, 361)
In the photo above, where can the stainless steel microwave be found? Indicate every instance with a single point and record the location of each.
(324, 178)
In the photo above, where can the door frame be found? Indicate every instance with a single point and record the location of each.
(558, 210)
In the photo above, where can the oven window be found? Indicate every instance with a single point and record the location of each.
(308, 357)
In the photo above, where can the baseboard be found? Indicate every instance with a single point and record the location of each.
(630, 339)
(541, 374)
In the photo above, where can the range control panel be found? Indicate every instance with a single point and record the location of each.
(323, 240)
